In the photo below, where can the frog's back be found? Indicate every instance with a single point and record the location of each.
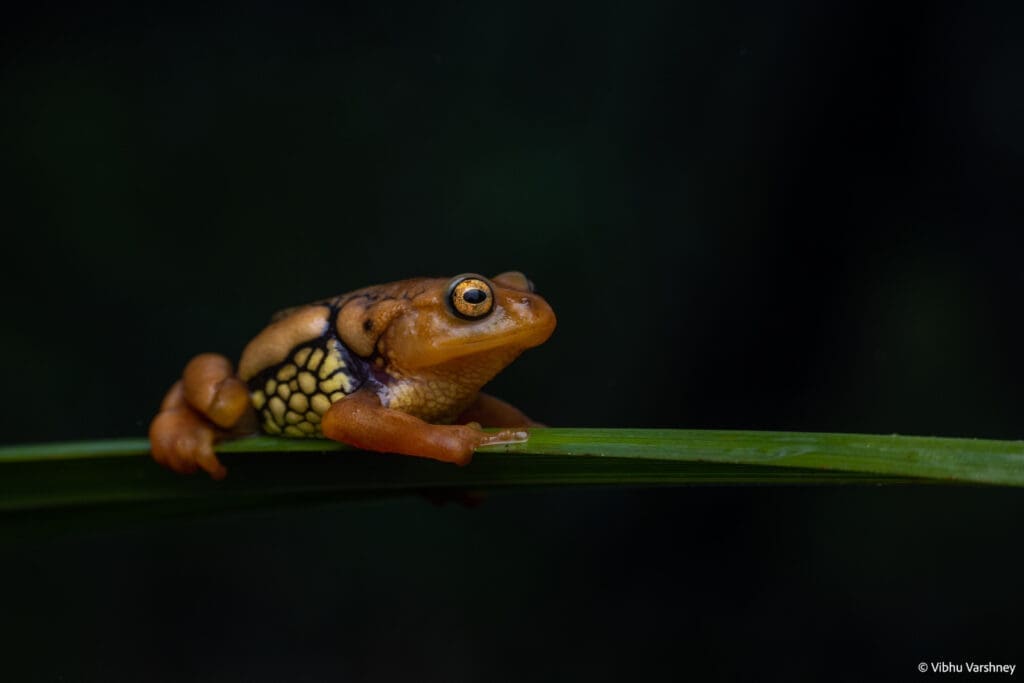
(297, 367)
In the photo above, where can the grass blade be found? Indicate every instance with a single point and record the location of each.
(119, 470)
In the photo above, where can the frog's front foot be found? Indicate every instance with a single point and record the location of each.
(361, 421)
(505, 436)
(208, 404)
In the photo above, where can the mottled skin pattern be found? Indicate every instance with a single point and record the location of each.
(292, 397)
(395, 367)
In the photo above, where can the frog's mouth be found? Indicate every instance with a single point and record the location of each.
(520, 341)
(511, 344)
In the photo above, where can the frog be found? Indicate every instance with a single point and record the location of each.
(395, 368)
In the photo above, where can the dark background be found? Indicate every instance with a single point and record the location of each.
(792, 215)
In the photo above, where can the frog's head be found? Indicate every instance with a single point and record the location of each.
(468, 321)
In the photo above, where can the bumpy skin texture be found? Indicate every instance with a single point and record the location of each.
(395, 367)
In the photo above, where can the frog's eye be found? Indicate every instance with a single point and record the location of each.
(470, 297)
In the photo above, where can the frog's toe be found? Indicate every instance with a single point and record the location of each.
(183, 441)
(505, 436)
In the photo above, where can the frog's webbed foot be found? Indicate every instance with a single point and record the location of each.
(509, 435)
(208, 404)
(361, 421)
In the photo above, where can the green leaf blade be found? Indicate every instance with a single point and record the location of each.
(262, 468)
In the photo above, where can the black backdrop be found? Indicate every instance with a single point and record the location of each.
(789, 216)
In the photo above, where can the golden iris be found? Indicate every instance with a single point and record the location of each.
(471, 297)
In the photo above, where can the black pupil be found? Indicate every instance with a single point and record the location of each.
(474, 296)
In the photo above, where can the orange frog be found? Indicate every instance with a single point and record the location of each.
(395, 367)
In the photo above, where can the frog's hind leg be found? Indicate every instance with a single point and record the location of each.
(489, 411)
(208, 404)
